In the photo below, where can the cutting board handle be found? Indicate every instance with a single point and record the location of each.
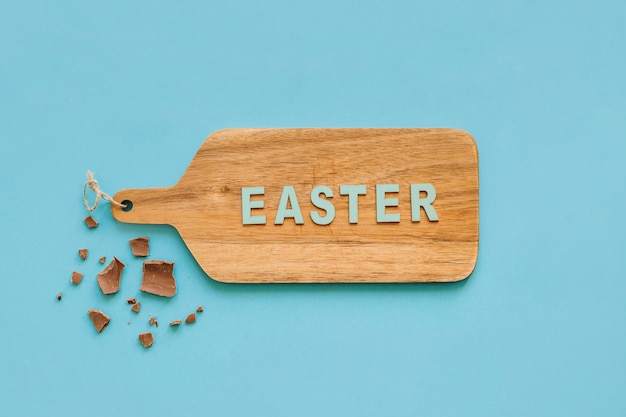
(145, 205)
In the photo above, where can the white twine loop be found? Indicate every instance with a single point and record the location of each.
(92, 183)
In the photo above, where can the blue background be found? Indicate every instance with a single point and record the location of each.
(131, 89)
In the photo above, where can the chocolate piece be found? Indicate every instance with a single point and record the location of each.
(109, 278)
(83, 253)
(199, 309)
(154, 321)
(146, 339)
(77, 277)
(131, 301)
(59, 296)
(140, 246)
(91, 222)
(158, 279)
(99, 319)
(190, 318)
(136, 307)
(103, 259)
(175, 323)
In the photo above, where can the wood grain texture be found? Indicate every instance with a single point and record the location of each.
(205, 205)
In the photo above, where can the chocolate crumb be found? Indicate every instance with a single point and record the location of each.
(103, 259)
(109, 278)
(91, 222)
(153, 321)
(129, 322)
(136, 307)
(146, 339)
(131, 301)
(83, 253)
(190, 318)
(175, 323)
(59, 296)
(77, 277)
(140, 246)
(199, 309)
(99, 319)
(158, 278)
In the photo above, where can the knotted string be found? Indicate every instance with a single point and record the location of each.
(92, 184)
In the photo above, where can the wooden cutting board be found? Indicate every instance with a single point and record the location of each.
(256, 205)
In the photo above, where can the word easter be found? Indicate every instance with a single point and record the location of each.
(288, 207)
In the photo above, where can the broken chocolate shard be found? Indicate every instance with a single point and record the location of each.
(158, 278)
(83, 253)
(59, 296)
(146, 339)
(140, 246)
(153, 321)
(77, 277)
(99, 319)
(103, 259)
(175, 323)
(136, 307)
(199, 309)
(91, 222)
(109, 278)
(190, 318)
(131, 300)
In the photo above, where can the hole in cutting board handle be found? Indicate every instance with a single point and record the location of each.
(128, 205)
